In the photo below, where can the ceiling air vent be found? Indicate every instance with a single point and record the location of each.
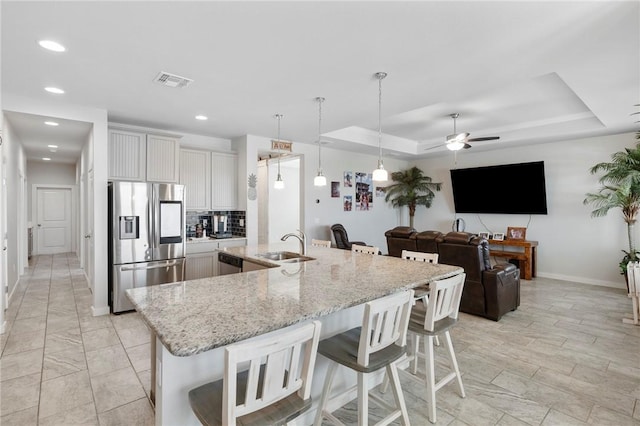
(172, 80)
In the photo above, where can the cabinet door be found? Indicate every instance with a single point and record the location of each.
(224, 181)
(163, 159)
(195, 174)
(202, 265)
(127, 155)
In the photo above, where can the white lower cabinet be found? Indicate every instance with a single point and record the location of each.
(201, 265)
(202, 257)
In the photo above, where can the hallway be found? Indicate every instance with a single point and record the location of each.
(60, 365)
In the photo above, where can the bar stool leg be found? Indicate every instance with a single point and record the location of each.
(430, 377)
(454, 363)
(363, 399)
(392, 373)
(326, 390)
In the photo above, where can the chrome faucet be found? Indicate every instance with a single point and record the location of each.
(302, 238)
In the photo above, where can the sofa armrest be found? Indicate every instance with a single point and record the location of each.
(502, 290)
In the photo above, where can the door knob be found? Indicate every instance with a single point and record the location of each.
(39, 224)
(88, 236)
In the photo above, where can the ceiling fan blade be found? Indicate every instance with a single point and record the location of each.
(435, 146)
(486, 138)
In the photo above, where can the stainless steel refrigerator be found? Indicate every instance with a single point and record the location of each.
(146, 238)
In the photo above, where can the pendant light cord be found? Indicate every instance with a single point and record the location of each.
(380, 77)
(320, 100)
(279, 116)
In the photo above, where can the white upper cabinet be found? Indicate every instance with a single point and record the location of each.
(163, 159)
(143, 157)
(224, 181)
(127, 155)
(195, 174)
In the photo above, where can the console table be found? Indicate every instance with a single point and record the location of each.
(523, 250)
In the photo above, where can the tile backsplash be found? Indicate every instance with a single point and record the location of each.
(235, 221)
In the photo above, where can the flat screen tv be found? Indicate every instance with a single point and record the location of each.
(506, 189)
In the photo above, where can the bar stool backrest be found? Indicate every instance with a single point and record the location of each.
(444, 300)
(320, 243)
(385, 323)
(287, 360)
(364, 249)
(420, 256)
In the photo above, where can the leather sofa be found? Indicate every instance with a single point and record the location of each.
(488, 291)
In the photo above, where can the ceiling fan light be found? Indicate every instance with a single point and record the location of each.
(455, 145)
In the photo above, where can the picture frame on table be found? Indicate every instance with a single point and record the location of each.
(498, 236)
(516, 233)
(484, 235)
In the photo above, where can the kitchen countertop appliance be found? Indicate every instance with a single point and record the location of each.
(146, 237)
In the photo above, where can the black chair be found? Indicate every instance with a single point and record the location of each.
(342, 239)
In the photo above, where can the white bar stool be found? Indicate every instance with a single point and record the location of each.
(274, 386)
(440, 315)
(379, 343)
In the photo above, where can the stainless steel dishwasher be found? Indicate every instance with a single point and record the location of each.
(229, 264)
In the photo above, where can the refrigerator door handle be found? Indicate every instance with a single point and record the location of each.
(156, 266)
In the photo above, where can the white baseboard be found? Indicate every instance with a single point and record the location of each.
(3, 327)
(583, 280)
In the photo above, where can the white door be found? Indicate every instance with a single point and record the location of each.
(53, 224)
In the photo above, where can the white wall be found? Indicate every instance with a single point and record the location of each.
(15, 165)
(284, 204)
(572, 245)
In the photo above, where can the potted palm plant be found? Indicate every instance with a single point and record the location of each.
(412, 189)
(620, 189)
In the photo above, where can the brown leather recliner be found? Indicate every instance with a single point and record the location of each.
(342, 239)
(488, 291)
(400, 238)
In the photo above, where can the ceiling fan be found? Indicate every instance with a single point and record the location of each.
(457, 141)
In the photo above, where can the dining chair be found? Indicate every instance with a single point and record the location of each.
(379, 343)
(365, 249)
(436, 319)
(320, 243)
(266, 380)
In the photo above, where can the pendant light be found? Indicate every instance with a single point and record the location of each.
(320, 179)
(380, 174)
(279, 183)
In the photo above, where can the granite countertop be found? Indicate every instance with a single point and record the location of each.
(194, 316)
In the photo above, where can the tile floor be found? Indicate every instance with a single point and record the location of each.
(563, 358)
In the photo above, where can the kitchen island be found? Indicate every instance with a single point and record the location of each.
(193, 320)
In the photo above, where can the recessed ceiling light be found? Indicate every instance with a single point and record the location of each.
(46, 159)
(201, 117)
(50, 123)
(52, 146)
(52, 45)
(54, 90)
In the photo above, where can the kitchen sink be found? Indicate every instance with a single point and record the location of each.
(284, 256)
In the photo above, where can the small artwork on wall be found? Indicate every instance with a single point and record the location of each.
(364, 191)
(348, 203)
(380, 191)
(335, 189)
(348, 179)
